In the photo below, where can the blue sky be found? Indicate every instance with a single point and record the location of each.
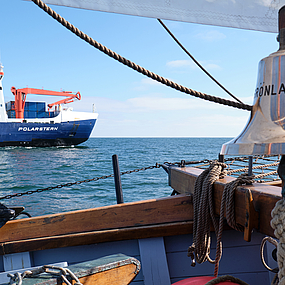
(38, 52)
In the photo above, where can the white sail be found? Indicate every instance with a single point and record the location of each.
(260, 15)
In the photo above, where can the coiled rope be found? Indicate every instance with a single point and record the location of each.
(278, 224)
(136, 67)
(228, 204)
(204, 213)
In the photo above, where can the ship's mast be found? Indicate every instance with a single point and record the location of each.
(3, 114)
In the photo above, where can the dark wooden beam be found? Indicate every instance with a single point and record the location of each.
(264, 196)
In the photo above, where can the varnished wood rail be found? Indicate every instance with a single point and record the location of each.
(152, 218)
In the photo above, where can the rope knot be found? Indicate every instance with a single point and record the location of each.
(245, 179)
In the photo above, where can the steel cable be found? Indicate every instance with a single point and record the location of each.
(197, 63)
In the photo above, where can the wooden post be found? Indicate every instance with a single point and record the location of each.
(117, 178)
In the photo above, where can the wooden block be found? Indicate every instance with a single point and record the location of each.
(120, 276)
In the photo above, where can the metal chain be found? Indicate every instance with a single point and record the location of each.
(183, 162)
(157, 165)
(166, 164)
(207, 161)
(58, 272)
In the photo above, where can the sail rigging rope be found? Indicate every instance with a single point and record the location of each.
(197, 63)
(136, 67)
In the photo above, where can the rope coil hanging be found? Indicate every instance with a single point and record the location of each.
(136, 67)
(204, 213)
(278, 224)
(228, 204)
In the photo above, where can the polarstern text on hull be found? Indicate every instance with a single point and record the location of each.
(37, 129)
(269, 90)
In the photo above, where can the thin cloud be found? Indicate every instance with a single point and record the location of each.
(181, 63)
(247, 100)
(149, 81)
(145, 84)
(174, 125)
(141, 104)
(212, 66)
(161, 104)
(176, 64)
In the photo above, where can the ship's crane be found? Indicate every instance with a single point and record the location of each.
(21, 95)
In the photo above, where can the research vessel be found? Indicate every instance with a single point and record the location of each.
(38, 124)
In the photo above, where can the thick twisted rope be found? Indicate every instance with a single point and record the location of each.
(204, 213)
(228, 204)
(264, 166)
(136, 67)
(278, 224)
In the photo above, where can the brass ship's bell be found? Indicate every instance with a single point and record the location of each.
(264, 133)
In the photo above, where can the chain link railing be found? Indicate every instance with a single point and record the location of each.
(157, 165)
(233, 169)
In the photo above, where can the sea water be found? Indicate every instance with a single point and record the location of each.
(28, 169)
